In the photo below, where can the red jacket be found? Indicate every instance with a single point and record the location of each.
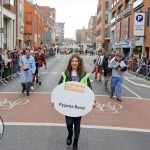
(41, 59)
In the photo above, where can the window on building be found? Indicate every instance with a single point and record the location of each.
(118, 37)
(99, 9)
(148, 17)
(98, 33)
(120, 9)
(114, 14)
(51, 14)
(8, 2)
(20, 8)
(128, 2)
(99, 21)
(106, 19)
(107, 5)
(106, 32)
(127, 27)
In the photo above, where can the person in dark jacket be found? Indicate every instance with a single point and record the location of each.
(75, 71)
(107, 71)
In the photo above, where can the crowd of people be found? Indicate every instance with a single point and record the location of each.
(9, 61)
(139, 65)
(111, 66)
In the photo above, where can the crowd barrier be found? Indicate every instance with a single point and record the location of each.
(135, 69)
(11, 71)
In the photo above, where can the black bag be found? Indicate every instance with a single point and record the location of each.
(26, 69)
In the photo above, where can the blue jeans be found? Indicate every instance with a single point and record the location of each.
(76, 121)
(26, 86)
(116, 82)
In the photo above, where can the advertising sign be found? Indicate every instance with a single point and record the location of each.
(73, 99)
(139, 23)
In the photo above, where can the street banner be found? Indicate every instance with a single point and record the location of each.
(139, 24)
(73, 99)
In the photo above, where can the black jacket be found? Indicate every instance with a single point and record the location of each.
(68, 78)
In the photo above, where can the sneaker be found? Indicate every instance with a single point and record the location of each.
(23, 90)
(40, 83)
(75, 144)
(119, 99)
(69, 140)
(32, 87)
(37, 80)
(28, 93)
(111, 96)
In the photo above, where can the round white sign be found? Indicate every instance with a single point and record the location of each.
(73, 99)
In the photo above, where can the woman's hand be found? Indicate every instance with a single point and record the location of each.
(94, 105)
(52, 104)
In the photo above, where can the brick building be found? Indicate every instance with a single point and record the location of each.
(47, 25)
(123, 37)
(103, 24)
(84, 36)
(34, 24)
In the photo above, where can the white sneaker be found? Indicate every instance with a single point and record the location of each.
(32, 87)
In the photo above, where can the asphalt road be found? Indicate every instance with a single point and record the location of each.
(34, 125)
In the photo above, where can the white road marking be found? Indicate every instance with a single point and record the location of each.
(131, 91)
(142, 85)
(83, 126)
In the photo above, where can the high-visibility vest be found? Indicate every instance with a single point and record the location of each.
(83, 80)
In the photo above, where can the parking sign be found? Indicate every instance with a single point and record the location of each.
(139, 24)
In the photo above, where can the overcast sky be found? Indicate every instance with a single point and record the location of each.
(75, 13)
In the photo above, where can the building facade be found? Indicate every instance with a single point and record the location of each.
(19, 23)
(33, 24)
(7, 24)
(78, 36)
(92, 31)
(60, 29)
(103, 24)
(53, 24)
(125, 20)
(84, 37)
(47, 26)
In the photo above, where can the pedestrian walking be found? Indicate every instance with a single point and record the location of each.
(98, 65)
(27, 67)
(118, 67)
(105, 65)
(42, 64)
(35, 75)
(75, 71)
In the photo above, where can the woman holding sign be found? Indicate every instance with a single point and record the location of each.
(75, 71)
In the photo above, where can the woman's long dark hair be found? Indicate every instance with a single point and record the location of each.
(80, 69)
